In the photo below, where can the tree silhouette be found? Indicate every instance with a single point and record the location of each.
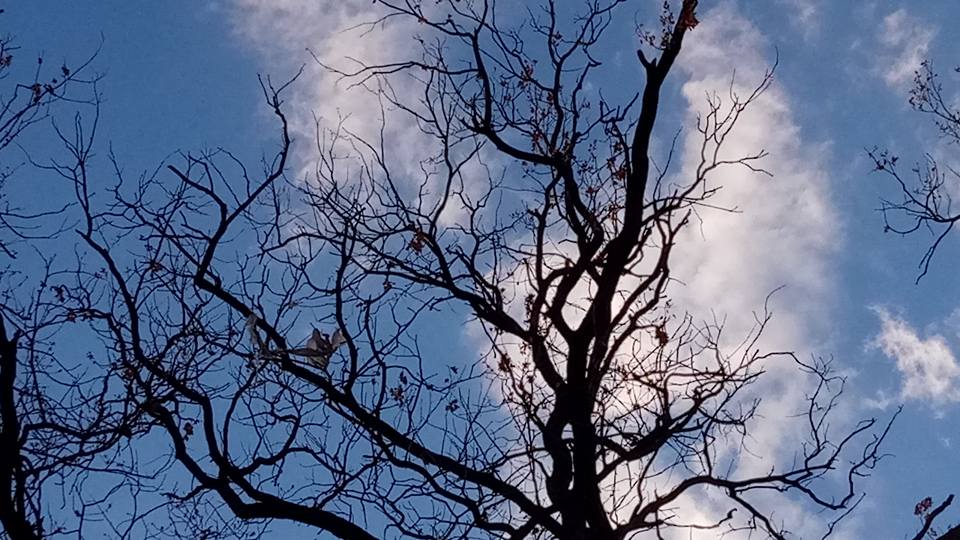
(590, 408)
(45, 436)
(924, 200)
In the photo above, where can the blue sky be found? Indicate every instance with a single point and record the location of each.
(182, 75)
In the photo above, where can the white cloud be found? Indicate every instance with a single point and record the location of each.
(787, 229)
(904, 43)
(286, 32)
(786, 233)
(805, 14)
(928, 367)
(343, 35)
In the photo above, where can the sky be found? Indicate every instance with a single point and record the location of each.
(181, 75)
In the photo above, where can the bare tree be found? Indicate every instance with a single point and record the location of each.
(592, 408)
(928, 514)
(29, 93)
(924, 195)
(57, 419)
